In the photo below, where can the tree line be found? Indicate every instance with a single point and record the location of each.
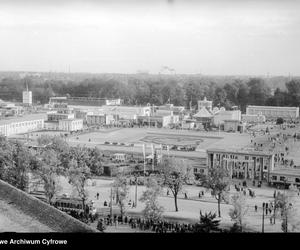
(52, 159)
(135, 90)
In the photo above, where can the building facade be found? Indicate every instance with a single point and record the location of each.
(253, 118)
(250, 165)
(273, 112)
(96, 119)
(26, 124)
(70, 125)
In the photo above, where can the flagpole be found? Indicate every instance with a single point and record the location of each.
(144, 155)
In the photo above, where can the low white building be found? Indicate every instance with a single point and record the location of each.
(223, 115)
(273, 112)
(19, 125)
(253, 118)
(70, 125)
(126, 112)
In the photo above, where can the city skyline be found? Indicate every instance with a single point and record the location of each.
(192, 37)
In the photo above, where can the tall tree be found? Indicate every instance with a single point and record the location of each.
(79, 173)
(259, 92)
(285, 201)
(293, 90)
(49, 171)
(174, 177)
(217, 180)
(239, 211)
(152, 211)
(121, 190)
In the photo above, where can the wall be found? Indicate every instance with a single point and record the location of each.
(44, 213)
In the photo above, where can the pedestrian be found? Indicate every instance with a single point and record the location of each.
(199, 195)
(255, 207)
(97, 196)
(185, 196)
(168, 192)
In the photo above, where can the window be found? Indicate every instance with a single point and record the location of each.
(246, 157)
(297, 180)
(282, 178)
(274, 178)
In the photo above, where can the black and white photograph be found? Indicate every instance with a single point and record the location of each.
(154, 117)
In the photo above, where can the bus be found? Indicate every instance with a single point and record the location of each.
(68, 204)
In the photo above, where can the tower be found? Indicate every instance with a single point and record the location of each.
(27, 96)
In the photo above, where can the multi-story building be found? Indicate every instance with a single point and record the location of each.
(63, 119)
(273, 112)
(19, 125)
(70, 125)
(242, 164)
(96, 119)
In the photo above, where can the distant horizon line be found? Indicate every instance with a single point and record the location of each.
(154, 74)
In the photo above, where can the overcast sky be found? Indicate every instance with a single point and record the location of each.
(220, 37)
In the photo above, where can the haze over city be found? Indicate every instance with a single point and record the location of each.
(207, 37)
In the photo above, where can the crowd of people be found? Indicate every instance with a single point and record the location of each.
(158, 226)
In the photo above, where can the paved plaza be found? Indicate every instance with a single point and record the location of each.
(189, 209)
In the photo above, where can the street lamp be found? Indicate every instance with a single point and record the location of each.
(111, 194)
(263, 218)
(136, 179)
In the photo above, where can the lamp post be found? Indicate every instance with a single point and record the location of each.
(136, 179)
(111, 204)
(263, 218)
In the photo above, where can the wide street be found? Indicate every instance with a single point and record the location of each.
(189, 209)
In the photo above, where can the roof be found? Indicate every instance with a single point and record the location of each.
(272, 107)
(231, 120)
(203, 113)
(31, 117)
(287, 171)
(239, 151)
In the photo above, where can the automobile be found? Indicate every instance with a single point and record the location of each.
(230, 131)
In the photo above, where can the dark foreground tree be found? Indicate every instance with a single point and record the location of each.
(208, 223)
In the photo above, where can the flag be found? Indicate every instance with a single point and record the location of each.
(152, 148)
(144, 154)
(153, 155)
